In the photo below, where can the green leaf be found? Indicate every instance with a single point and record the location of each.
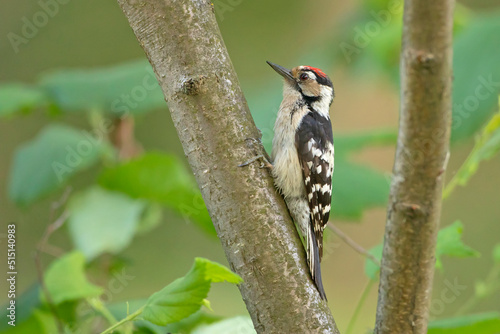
(45, 163)
(29, 299)
(491, 147)
(40, 322)
(487, 145)
(384, 50)
(125, 88)
(65, 279)
(481, 289)
(476, 73)
(496, 253)
(351, 180)
(372, 269)
(186, 295)
(17, 97)
(145, 330)
(357, 188)
(484, 323)
(150, 218)
(161, 178)
(449, 243)
(103, 221)
(184, 326)
(240, 324)
(348, 144)
(371, 38)
(67, 312)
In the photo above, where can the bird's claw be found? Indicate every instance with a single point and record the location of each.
(264, 163)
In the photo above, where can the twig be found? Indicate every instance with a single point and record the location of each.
(38, 262)
(469, 167)
(59, 203)
(99, 306)
(491, 285)
(51, 229)
(42, 245)
(344, 237)
(124, 320)
(123, 138)
(359, 306)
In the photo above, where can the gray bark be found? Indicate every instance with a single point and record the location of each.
(183, 43)
(415, 200)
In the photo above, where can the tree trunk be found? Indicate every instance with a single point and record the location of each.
(183, 43)
(415, 201)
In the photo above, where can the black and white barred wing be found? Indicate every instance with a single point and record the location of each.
(314, 142)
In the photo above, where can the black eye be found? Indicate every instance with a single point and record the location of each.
(304, 76)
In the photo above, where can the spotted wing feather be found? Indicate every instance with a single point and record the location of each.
(314, 142)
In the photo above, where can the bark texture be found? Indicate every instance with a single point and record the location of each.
(183, 43)
(415, 200)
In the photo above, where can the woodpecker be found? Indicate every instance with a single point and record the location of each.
(303, 156)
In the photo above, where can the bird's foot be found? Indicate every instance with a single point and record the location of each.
(264, 163)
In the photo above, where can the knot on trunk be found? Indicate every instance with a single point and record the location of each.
(193, 85)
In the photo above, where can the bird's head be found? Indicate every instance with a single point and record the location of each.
(311, 82)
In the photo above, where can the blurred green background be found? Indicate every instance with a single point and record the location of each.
(95, 34)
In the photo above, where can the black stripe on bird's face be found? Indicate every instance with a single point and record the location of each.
(322, 80)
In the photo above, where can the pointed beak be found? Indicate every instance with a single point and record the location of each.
(286, 73)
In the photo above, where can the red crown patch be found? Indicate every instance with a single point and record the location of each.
(316, 70)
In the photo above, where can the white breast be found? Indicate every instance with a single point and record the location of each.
(287, 171)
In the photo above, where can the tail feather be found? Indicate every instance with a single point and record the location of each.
(313, 260)
(319, 242)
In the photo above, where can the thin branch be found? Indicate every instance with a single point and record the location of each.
(491, 286)
(183, 43)
(415, 201)
(42, 246)
(129, 317)
(344, 237)
(123, 138)
(469, 167)
(59, 203)
(359, 306)
(98, 306)
(51, 229)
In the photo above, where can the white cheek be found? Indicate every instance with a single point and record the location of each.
(306, 91)
(323, 105)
